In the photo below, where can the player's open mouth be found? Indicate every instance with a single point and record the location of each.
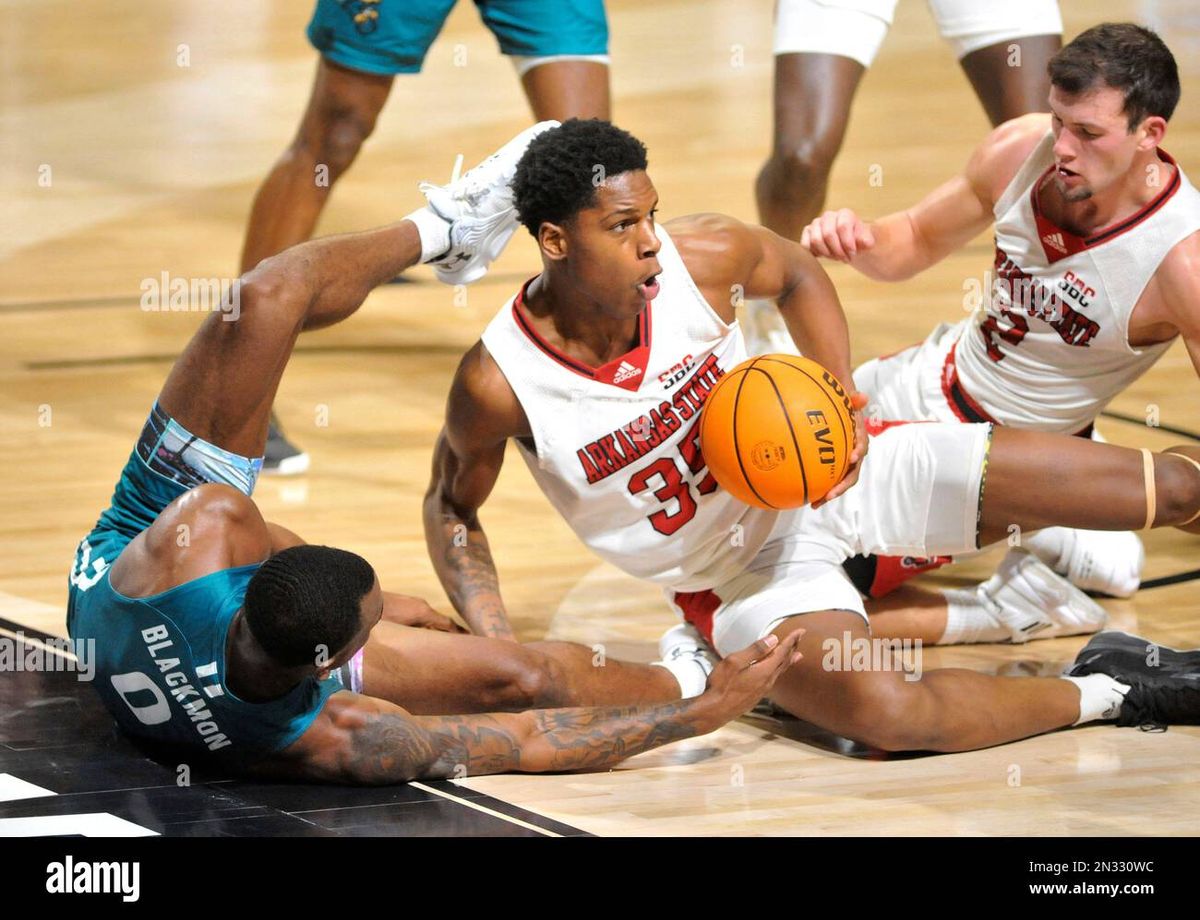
(1065, 173)
(649, 288)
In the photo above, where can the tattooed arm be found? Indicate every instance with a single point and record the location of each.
(482, 413)
(362, 740)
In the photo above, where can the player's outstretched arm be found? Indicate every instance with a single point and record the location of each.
(907, 242)
(363, 740)
(482, 413)
(727, 257)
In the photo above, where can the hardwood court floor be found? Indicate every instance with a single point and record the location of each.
(152, 166)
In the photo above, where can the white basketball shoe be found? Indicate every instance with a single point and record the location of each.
(1109, 562)
(479, 208)
(1033, 602)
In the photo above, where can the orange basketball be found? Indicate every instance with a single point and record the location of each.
(777, 431)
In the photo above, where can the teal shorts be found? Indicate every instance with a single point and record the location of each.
(393, 36)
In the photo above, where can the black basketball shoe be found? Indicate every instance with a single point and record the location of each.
(281, 456)
(1164, 682)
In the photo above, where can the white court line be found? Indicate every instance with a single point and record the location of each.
(13, 789)
(486, 810)
(95, 824)
(35, 641)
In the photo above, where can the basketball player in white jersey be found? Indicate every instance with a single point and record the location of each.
(1097, 244)
(598, 368)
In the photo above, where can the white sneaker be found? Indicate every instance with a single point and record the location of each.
(479, 208)
(685, 654)
(765, 331)
(1109, 562)
(1032, 602)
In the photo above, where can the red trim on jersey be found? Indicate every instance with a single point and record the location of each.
(962, 405)
(698, 608)
(628, 371)
(875, 427)
(1058, 243)
(959, 400)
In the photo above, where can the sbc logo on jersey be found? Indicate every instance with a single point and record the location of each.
(676, 373)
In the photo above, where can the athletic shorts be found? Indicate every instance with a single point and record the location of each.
(393, 36)
(856, 28)
(921, 384)
(919, 493)
(908, 384)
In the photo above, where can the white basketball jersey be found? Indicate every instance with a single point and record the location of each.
(1050, 347)
(616, 449)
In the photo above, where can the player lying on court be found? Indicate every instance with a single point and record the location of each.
(1096, 273)
(597, 369)
(224, 634)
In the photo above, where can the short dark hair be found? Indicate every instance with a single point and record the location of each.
(1127, 57)
(558, 175)
(304, 599)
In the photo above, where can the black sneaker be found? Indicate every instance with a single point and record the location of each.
(1164, 682)
(281, 457)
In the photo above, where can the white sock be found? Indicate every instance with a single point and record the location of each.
(690, 672)
(1053, 545)
(1100, 697)
(434, 233)
(969, 618)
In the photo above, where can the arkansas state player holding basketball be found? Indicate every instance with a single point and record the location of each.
(272, 656)
(597, 369)
(1096, 269)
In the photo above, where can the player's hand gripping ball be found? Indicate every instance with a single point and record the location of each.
(777, 431)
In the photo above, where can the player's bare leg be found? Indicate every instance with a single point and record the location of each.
(949, 709)
(909, 612)
(341, 114)
(437, 673)
(222, 386)
(558, 90)
(1010, 77)
(954, 709)
(1036, 480)
(813, 93)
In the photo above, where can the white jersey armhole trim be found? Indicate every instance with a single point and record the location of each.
(669, 246)
(516, 439)
(1029, 173)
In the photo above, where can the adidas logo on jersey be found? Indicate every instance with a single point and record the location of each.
(1055, 241)
(626, 372)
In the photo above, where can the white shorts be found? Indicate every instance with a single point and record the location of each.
(917, 384)
(908, 384)
(918, 494)
(856, 28)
